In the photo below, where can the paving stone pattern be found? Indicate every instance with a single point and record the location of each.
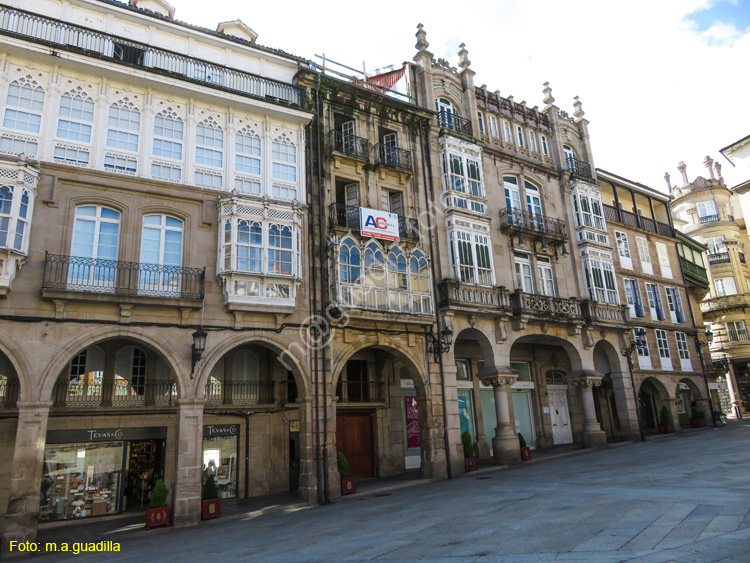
(682, 498)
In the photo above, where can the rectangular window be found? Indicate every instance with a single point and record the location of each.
(644, 255)
(284, 165)
(519, 134)
(633, 298)
(663, 256)
(164, 172)
(463, 175)
(494, 131)
(663, 345)
(167, 149)
(506, 132)
(281, 191)
(588, 211)
(725, 286)
(716, 245)
(209, 150)
(247, 185)
(79, 132)
(124, 124)
(12, 145)
(544, 271)
(644, 356)
(654, 302)
(545, 148)
(168, 137)
(220, 453)
(208, 180)
(480, 118)
(623, 250)
(71, 155)
(120, 164)
(463, 370)
(682, 351)
(600, 281)
(706, 209)
(524, 280)
(674, 304)
(737, 331)
(471, 257)
(533, 145)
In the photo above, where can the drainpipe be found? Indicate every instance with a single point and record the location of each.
(435, 259)
(697, 341)
(315, 378)
(321, 258)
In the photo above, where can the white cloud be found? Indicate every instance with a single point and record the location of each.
(652, 86)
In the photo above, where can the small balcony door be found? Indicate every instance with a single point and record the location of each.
(392, 202)
(534, 204)
(390, 146)
(95, 240)
(161, 255)
(348, 137)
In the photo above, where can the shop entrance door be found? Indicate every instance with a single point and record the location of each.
(354, 438)
(560, 416)
(144, 465)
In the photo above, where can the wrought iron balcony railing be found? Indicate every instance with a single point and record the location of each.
(65, 36)
(350, 145)
(637, 221)
(393, 157)
(536, 223)
(239, 393)
(544, 306)
(708, 219)
(718, 257)
(93, 275)
(595, 312)
(579, 167)
(448, 120)
(8, 393)
(359, 392)
(80, 393)
(738, 334)
(455, 294)
(347, 216)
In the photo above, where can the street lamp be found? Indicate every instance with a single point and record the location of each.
(442, 343)
(640, 333)
(699, 345)
(199, 346)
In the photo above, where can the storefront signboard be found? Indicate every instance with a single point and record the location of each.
(106, 434)
(378, 224)
(210, 430)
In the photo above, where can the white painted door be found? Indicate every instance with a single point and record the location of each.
(558, 409)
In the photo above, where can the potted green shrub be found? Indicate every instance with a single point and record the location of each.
(211, 500)
(470, 460)
(665, 421)
(697, 418)
(525, 450)
(158, 512)
(348, 485)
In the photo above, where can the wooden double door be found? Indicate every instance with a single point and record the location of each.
(354, 438)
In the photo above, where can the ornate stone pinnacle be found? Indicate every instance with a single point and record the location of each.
(708, 161)
(579, 113)
(463, 56)
(548, 99)
(421, 34)
(682, 167)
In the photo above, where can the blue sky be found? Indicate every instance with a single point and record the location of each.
(661, 81)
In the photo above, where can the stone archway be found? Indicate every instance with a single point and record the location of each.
(614, 400)
(652, 395)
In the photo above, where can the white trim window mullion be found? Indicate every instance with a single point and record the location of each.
(623, 250)
(662, 344)
(683, 351)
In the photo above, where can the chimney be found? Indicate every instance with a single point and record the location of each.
(682, 167)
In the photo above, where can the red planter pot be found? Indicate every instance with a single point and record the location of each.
(698, 422)
(211, 508)
(666, 428)
(470, 463)
(348, 486)
(525, 453)
(156, 517)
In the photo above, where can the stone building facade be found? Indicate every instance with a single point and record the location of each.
(220, 259)
(712, 213)
(153, 183)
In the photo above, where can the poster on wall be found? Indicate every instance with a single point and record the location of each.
(412, 422)
(378, 224)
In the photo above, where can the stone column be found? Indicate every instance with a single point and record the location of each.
(187, 487)
(593, 436)
(505, 445)
(672, 406)
(22, 517)
(705, 406)
(308, 485)
(483, 448)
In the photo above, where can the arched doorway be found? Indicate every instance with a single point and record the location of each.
(687, 394)
(9, 394)
(610, 399)
(651, 396)
(111, 431)
(254, 422)
(381, 414)
(543, 402)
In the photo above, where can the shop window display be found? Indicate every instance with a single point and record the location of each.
(81, 480)
(220, 460)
